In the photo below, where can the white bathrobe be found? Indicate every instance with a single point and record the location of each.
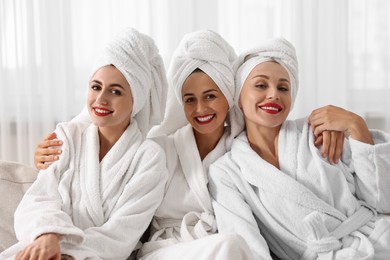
(100, 209)
(185, 214)
(309, 209)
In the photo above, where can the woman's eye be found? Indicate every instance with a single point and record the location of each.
(96, 87)
(188, 100)
(116, 92)
(208, 97)
(283, 88)
(261, 85)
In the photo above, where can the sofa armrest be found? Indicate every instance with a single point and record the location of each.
(15, 179)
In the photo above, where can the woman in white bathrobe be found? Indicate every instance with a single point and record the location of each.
(274, 186)
(96, 201)
(200, 123)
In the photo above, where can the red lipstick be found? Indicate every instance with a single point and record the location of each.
(101, 111)
(271, 108)
(202, 120)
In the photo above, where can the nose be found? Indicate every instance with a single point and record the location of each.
(273, 93)
(102, 98)
(201, 107)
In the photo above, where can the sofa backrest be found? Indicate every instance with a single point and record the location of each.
(15, 179)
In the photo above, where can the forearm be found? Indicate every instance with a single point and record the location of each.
(332, 118)
(40, 211)
(358, 130)
(371, 164)
(233, 214)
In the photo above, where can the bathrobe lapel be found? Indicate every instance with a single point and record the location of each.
(274, 181)
(102, 180)
(197, 224)
(90, 176)
(192, 168)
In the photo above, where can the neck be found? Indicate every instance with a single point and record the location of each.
(264, 141)
(207, 142)
(108, 136)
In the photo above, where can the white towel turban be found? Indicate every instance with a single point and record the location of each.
(277, 49)
(208, 51)
(137, 57)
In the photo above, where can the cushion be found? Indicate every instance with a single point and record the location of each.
(15, 179)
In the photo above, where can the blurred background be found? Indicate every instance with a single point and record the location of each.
(47, 48)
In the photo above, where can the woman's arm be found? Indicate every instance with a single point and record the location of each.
(370, 159)
(233, 214)
(41, 208)
(371, 165)
(329, 123)
(47, 152)
(332, 118)
(46, 246)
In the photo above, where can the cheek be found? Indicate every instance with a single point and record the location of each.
(128, 107)
(89, 104)
(223, 108)
(91, 97)
(129, 111)
(245, 97)
(246, 101)
(187, 111)
(244, 109)
(287, 101)
(249, 107)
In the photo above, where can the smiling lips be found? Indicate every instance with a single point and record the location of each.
(101, 111)
(271, 108)
(204, 119)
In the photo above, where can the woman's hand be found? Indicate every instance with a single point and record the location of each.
(332, 145)
(332, 118)
(47, 152)
(45, 247)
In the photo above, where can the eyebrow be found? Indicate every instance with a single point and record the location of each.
(111, 85)
(266, 77)
(205, 92)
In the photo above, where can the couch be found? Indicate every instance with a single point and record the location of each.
(15, 179)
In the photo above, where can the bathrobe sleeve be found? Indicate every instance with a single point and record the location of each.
(233, 214)
(118, 236)
(371, 164)
(40, 210)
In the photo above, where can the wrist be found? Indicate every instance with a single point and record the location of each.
(54, 236)
(358, 130)
(354, 125)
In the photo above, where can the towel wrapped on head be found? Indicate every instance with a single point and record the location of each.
(277, 49)
(208, 51)
(137, 57)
